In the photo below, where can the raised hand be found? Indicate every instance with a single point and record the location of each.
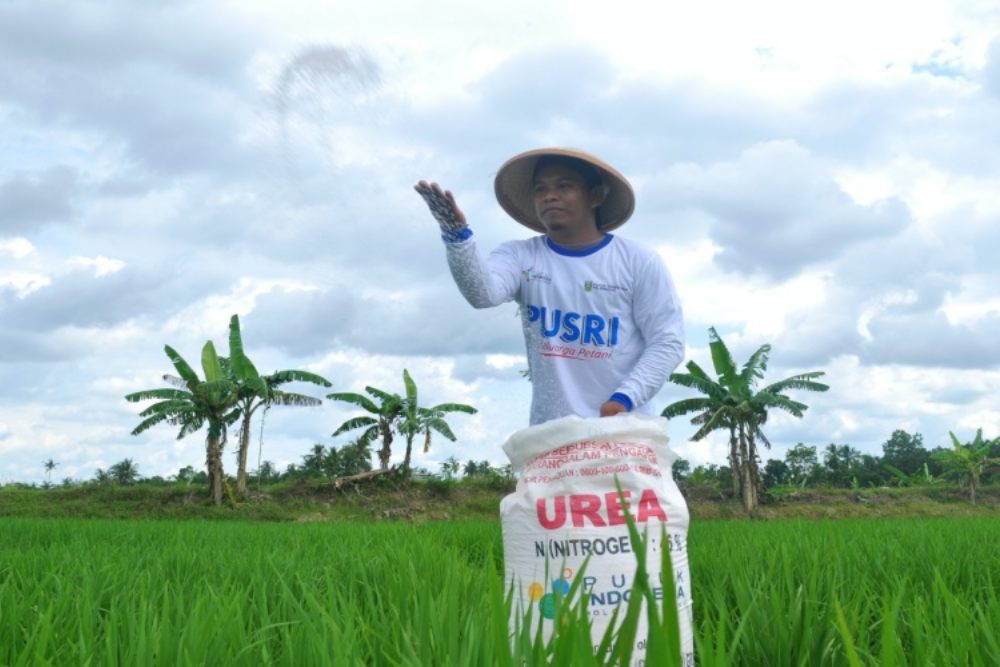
(442, 205)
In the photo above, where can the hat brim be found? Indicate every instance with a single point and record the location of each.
(514, 189)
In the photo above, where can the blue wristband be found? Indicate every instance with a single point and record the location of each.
(463, 234)
(619, 397)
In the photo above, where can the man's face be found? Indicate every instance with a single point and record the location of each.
(563, 203)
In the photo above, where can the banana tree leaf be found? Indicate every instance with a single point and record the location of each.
(288, 398)
(169, 407)
(452, 407)
(210, 363)
(722, 360)
(704, 385)
(801, 381)
(163, 393)
(175, 381)
(148, 423)
(382, 395)
(441, 426)
(685, 406)
(357, 422)
(187, 428)
(257, 386)
(243, 368)
(697, 371)
(411, 387)
(355, 399)
(282, 377)
(183, 369)
(755, 366)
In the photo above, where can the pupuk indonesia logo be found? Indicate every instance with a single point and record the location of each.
(547, 601)
(590, 286)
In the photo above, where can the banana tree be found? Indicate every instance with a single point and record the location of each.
(732, 403)
(418, 420)
(256, 391)
(383, 410)
(197, 403)
(967, 461)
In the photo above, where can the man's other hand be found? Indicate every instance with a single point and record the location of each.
(612, 408)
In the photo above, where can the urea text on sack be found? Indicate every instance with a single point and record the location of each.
(583, 507)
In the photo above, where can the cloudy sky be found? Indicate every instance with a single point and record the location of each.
(818, 176)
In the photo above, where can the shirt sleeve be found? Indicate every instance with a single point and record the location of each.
(485, 282)
(658, 316)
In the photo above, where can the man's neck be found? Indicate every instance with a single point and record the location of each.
(579, 241)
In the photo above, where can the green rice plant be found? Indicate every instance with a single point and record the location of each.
(117, 592)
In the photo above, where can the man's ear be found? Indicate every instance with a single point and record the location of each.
(598, 194)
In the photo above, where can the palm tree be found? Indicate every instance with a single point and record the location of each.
(416, 420)
(351, 459)
(50, 465)
(450, 467)
(266, 472)
(125, 472)
(968, 462)
(732, 404)
(208, 401)
(312, 463)
(380, 423)
(257, 390)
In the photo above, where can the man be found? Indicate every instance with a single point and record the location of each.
(602, 322)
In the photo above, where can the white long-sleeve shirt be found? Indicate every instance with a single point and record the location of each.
(598, 324)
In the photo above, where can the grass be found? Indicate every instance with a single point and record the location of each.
(854, 591)
(318, 501)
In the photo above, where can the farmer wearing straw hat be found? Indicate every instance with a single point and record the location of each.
(602, 322)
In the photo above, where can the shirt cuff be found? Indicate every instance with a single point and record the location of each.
(457, 236)
(619, 397)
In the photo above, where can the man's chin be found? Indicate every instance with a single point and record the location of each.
(553, 226)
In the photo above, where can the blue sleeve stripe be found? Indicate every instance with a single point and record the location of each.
(619, 397)
(463, 234)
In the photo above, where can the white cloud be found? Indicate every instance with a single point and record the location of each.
(101, 265)
(16, 247)
(815, 178)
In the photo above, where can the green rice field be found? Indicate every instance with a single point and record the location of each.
(848, 592)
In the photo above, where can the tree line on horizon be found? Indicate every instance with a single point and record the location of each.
(320, 463)
(904, 462)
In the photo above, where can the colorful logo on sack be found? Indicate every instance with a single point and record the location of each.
(547, 601)
(572, 327)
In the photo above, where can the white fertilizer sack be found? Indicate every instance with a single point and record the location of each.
(566, 507)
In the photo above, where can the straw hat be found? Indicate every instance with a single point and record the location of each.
(513, 186)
